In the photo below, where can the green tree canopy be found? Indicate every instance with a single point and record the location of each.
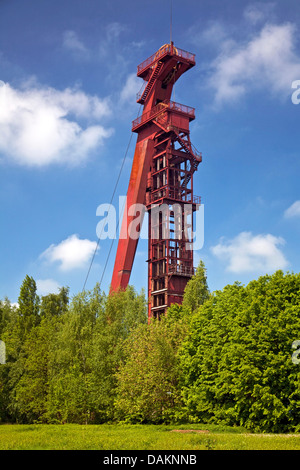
(196, 291)
(236, 360)
(148, 379)
(28, 304)
(55, 304)
(88, 351)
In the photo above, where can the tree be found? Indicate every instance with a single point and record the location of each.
(124, 311)
(148, 379)
(5, 310)
(28, 304)
(87, 354)
(70, 360)
(29, 374)
(196, 291)
(236, 360)
(30, 393)
(62, 358)
(17, 328)
(29, 337)
(55, 304)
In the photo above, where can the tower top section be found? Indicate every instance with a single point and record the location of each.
(164, 53)
(160, 72)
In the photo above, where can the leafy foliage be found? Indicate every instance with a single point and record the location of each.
(148, 379)
(222, 358)
(196, 291)
(236, 360)
(88, 350)
(61, 357)
(28, 305)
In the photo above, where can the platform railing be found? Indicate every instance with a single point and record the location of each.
(167, 49)
(175, 194)
(182, 270)
(163, 106)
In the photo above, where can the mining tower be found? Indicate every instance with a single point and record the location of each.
(161, 181)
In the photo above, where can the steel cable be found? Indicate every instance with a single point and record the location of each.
(112, 197)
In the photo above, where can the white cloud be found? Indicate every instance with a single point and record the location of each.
(293, 210)
(268, 61)
(39, 126)
(258, 11)
(72, 43)
(47, 286)
(213, 35)
(251, 253)
(114, 30)
(71, 253)
(110, 40)
(132, 86)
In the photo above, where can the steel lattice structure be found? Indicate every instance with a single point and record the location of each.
(162, 181)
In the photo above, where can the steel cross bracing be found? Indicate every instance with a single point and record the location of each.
(161, 180)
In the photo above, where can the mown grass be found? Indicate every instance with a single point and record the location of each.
(139, 437)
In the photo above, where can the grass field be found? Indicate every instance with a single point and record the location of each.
(140, 437)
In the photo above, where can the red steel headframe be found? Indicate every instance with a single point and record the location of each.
(161, 124)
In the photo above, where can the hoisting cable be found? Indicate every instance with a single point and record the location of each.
(111, 245)
(112, 197)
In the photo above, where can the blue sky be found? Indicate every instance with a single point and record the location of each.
(67, 98)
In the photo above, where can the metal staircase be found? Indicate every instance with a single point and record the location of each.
(142, 97)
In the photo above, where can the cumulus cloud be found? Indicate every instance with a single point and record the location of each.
(72, 253)
(251, 253)
(40, 126)
(72, 43)
(268, 60)
(214, 34)
(129, 91)
(47, 286)
(293, 210)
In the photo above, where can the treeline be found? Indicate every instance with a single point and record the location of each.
(222, 357)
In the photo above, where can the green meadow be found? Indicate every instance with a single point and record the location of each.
(140, 437)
